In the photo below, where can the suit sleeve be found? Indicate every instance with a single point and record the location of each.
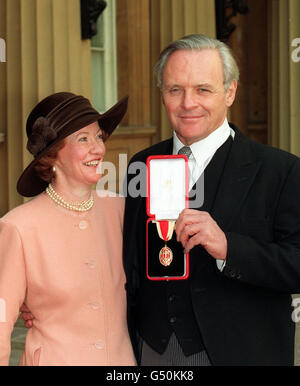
(274, 265)
(12, 285)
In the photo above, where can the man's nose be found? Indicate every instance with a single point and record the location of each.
(189, 100)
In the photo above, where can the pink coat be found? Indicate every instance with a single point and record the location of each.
(67, 266)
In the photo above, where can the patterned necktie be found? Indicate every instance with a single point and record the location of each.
(185, 150)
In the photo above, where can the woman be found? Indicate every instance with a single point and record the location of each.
(61, 252)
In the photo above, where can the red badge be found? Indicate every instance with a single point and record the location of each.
(165, 256)
(165, 230)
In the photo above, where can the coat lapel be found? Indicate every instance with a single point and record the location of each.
(238, 176)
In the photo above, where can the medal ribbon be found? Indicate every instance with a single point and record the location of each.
(165, 229)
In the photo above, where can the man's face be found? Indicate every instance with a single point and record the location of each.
(193, 93)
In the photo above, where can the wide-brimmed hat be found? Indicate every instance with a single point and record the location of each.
(53, 119)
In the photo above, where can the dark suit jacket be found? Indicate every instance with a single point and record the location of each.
(244, 312)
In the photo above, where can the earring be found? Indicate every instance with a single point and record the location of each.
(54, 169)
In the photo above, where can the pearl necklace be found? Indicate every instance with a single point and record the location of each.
(77, 206)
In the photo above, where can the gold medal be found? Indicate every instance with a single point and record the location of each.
(165, 256)
(165, 230)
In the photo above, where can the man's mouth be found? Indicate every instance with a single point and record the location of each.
(191, 117)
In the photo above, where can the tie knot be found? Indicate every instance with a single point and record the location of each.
(185, 150)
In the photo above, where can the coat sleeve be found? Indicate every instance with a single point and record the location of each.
(12, 285)
(272, 264)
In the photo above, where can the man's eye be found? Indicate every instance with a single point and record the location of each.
(202, 90)
(174, 90)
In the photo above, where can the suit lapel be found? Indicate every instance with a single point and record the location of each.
(239, 174)
(212, 175)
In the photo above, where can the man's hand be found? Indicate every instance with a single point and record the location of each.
(26, 316)
(194, 227)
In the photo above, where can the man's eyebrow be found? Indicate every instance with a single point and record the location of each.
(207, 85)
(171, 85)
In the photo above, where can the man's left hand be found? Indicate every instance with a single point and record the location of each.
(194, 227)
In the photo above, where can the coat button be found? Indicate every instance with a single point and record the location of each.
(172, 319)
(91, 263)
(171, 298)
(99, 344)
(94, 305)
(232, 274)
(83, 224)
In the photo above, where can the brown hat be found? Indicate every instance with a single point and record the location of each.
(53, 119)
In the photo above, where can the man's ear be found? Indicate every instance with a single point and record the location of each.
(230, 95)
(162, 98)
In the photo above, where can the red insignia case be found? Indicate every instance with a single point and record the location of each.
(167, 196)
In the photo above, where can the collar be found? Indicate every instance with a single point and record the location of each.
(205, 148)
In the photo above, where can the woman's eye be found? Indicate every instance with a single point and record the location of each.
(82, 139)
(100, 136)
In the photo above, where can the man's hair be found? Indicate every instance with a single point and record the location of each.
(200, 42)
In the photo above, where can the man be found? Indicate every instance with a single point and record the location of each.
(244, 241)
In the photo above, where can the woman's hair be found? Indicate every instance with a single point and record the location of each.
(44, 167)
(200, 42)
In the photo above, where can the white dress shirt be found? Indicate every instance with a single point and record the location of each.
(202, 153)
(203, 150)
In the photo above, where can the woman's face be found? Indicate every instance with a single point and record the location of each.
(78, 161)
